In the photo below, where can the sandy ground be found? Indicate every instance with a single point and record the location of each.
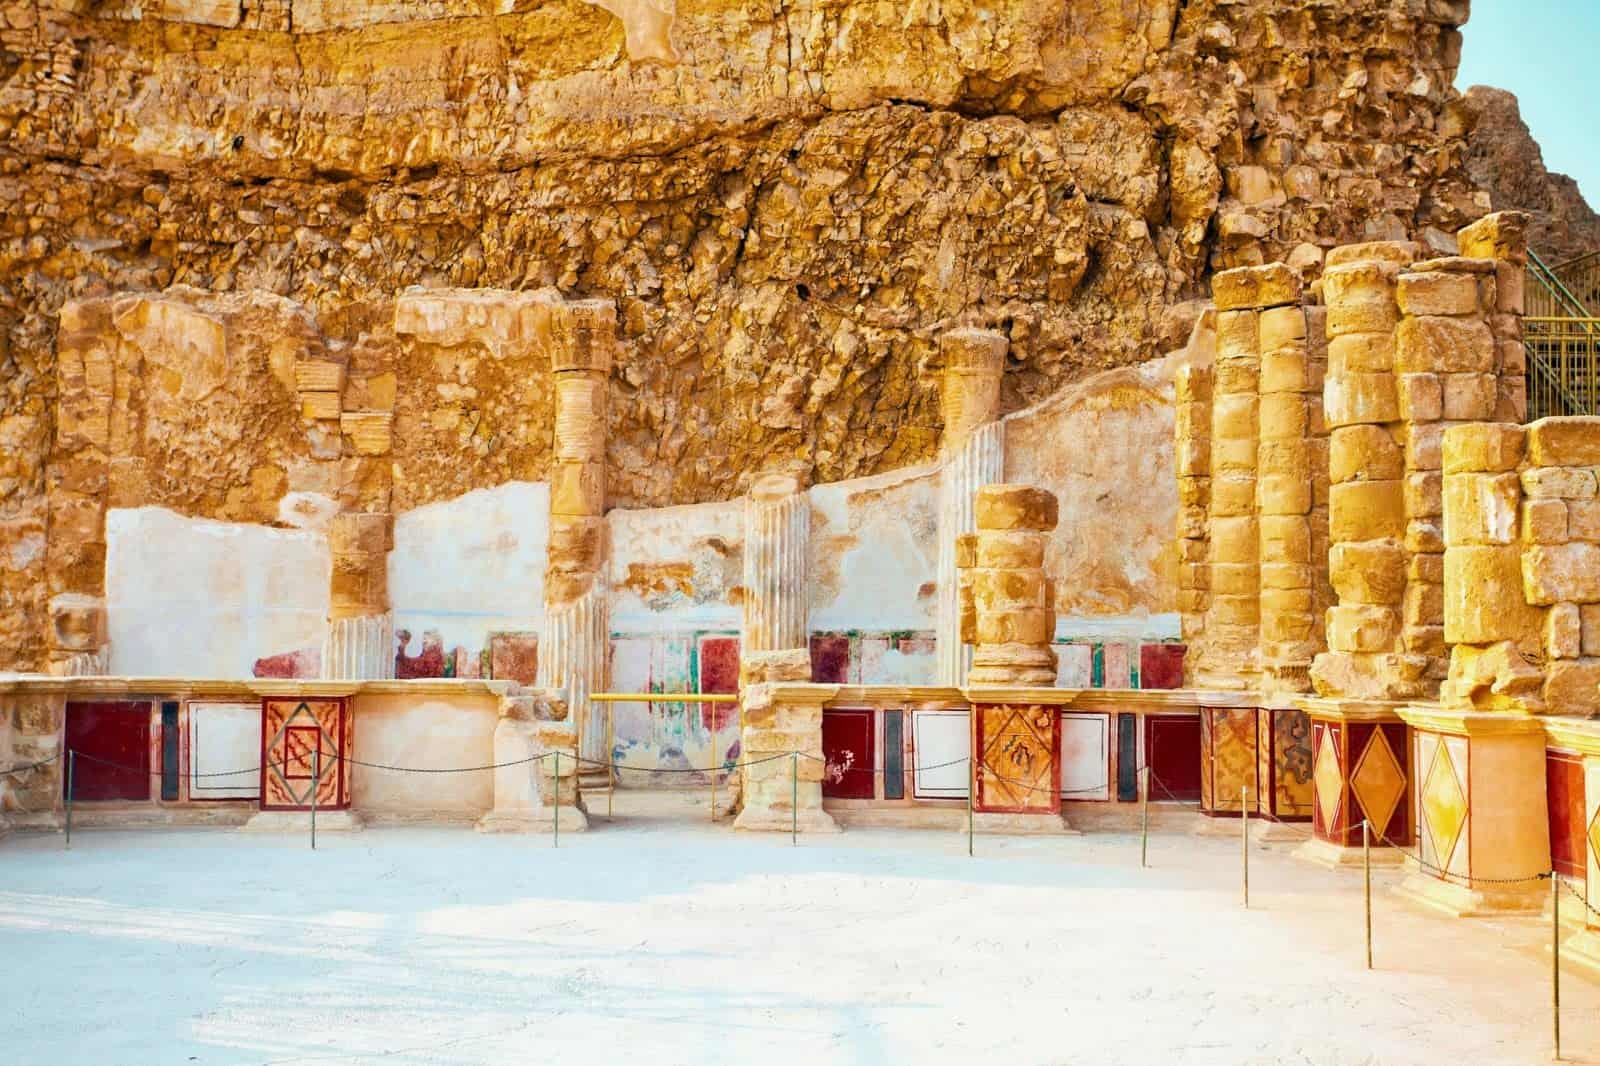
(661, 940)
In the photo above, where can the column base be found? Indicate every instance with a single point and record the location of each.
(1331, 856)
(1217, 825)
(1021, 824)
(1267, 831)
(771, 821)
(534, 820)
(1459, 901)
(1583, 950)
(300, 822)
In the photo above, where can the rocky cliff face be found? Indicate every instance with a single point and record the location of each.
(1505, 161)
(787, 202)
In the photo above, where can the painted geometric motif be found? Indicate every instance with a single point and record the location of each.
(1292, 789)
(1444, 806)
(1329, 781)
(1231, 757)
(1379, 782)
(1594, 834)
(302, 751)
(1018, 754)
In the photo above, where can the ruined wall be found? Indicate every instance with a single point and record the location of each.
(786, 206)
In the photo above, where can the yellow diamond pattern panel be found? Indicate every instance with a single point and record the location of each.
(1329, 781)
(1379, 782)
(1444, 805)
(1594, 835)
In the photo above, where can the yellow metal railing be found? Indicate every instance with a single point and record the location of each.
(1563, 365)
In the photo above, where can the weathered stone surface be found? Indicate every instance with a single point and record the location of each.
(1563, 631)
(1559, 482)
(1273, 285)
(1487, 447)
(1483, 600)
(1481, 508)
(1573, 687)
(1016, 507)
(1364, 453)
(1553, 573)
(1434, 345)
(1372, 572)
(1564, 441)
(1436, 292)
(1366, 510)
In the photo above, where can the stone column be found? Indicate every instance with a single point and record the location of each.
(1013, 605)
(777, 591)
(527, 793)
(1445, 358)
(360, 643)
(573, 652)
(972, 454)
(1367, 466)
(1192, 387)
(1503, 239)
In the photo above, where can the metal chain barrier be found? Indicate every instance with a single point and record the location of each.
(31, 766)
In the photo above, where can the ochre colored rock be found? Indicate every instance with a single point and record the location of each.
(1484, 447)
(1437, 292)
(1366, 510)
(1483, 600)
(1364, 453)
(1016, 507)
(1573, 441)
(1372, 572)
(1556, 572)
(1481, 508)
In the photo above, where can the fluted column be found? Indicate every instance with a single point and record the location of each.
(777, 537)
(360, 641)
(972, 455)
(572, 654)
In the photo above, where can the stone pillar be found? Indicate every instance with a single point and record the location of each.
(527, 793)
(780, 790)
(1361, 771)
(360, 642)
(1503, 239)
(972, 454)
(1013, 603)
(1192, 391)
(777, 591)
(1367, 557)
(573, 653)
(1445, 359)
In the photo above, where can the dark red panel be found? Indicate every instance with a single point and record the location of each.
(103, 733)
(1161, 665)
(719, 672)
(847, 746)
(830, 659)
(430, 663)
(1563, 778)
(1172, 751)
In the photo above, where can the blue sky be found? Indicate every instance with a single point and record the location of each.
(1548, 53)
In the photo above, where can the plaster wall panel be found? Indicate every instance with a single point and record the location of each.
(112, 744)
(874, 552)
(1074, 665)
(223, 738)
(471, 566)
(1172, 751)
(1113, 552)
(941, 744)
(673, 569)
(1085, 757)
(189, 597)
(427, 732)
(1564, 796)
(847, 746)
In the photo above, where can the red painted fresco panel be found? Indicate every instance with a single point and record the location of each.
(847, 746)
(719, 672)
(830, 659)
(1172, 751)
(299, 735)
(1161, 665)
(1563, 777)
(107, 733)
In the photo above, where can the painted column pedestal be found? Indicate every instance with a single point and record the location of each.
(1483, 828)
(527, 790)
(305, 753)
(1016, 774)
(1260, 757)
(779, 792)
(1582, 736)
(1360, 772)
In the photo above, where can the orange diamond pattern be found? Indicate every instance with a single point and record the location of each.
(1594, 835)
(1329, 781)
(1379, 781)
(1444, 805)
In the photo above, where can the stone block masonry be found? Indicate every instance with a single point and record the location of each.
(1009, 604)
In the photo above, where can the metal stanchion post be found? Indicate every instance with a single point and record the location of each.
(794, 798)
(1366, 866)
(316, 780)
(972, 784)
(72, 758)
(1244, 839)
(1555, 960)
(555, 794)
(611, 749)
(1144, 823)
(713, 776)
